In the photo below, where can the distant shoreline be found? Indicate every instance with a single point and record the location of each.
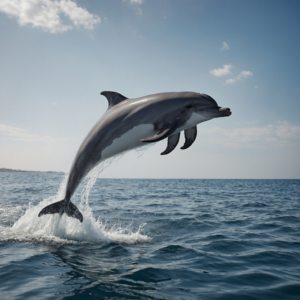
(57, 172)
(23, 171)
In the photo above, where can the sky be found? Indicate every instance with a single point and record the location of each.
(57, 56)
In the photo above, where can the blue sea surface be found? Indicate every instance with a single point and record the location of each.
(150, 239)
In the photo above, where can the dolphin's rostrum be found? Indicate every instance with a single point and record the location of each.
(130, 123)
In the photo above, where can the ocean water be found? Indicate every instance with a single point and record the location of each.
(150, 239)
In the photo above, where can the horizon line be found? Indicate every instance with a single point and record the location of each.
(7, 170)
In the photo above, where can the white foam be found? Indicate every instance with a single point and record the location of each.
(63, 229)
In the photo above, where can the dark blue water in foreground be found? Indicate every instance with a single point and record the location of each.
(151, 239)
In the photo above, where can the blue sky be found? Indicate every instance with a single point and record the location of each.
(57, 56)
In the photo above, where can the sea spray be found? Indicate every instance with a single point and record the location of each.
(56, 228)
(141, 150)
(90, 180)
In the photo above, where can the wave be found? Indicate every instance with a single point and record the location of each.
(63, 229)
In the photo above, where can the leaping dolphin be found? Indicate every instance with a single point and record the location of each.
(130, 123)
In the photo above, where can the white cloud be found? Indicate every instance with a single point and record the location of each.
(19, 134)
(136, 6)
(225, 46)
(46, 14)
(222, 71)
(138, 11)
(230, 81)
(244, 74)
(136, 1)
(256, 137)
(286, 131)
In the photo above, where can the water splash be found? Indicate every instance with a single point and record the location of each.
(63, 229)
(141, 150)
(91, 178)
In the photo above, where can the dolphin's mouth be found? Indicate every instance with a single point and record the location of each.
(226, 111)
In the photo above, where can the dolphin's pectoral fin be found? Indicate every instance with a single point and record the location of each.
(190, 137)
(172, 143)
(113, 98)
(164, 133)
(61, 207)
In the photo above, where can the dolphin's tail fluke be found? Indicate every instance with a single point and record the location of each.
(62, 207)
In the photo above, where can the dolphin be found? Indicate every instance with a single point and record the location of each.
(130, 123)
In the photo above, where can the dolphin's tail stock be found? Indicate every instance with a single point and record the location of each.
(61, 207)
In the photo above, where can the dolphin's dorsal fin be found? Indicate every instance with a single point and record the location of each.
(113, 98)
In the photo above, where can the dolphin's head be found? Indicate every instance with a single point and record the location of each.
(224, 112)
(213, 112)
(207, 107)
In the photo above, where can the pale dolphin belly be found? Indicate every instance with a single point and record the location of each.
(129, 140)
(192, 121)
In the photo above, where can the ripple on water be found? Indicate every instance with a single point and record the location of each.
(172, 239)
